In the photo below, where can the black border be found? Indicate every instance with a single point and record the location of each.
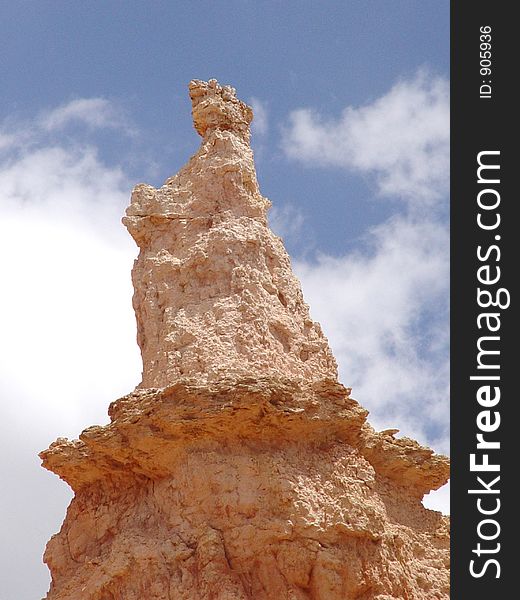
(479, 124)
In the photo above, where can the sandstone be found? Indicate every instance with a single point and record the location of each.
(214, 291)
(239, 468)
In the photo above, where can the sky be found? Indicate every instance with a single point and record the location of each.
(351, 140)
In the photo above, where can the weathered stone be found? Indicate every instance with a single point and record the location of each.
(214, 291)
(239, 468)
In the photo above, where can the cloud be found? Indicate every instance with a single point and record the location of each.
(68, 329)
(439, 500)
(401, 139)
(286, 220)
(384, 309)
(384, 306)
(6, 140)
(260, 123)
(93, 112)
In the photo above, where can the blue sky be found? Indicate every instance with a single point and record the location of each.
(351, 145)
(288, 54)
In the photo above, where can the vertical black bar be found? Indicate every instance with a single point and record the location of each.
(483, 121)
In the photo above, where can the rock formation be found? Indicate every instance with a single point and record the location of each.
(239, 468)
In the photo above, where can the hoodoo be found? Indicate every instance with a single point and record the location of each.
(239, 468)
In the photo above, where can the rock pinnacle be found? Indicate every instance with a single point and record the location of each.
(239, 468)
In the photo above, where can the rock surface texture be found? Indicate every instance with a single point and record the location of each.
(239, 468)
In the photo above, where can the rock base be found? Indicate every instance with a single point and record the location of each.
(249, 489)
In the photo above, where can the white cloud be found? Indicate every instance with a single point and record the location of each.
(384, 310)
(260, 123)
(402, 139)
(6, 140)
(286, 220)
(93, 112)
(384, 306)
(439, 500)
(68, 330)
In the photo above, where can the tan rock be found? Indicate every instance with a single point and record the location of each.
(239, 468)
(214, 291)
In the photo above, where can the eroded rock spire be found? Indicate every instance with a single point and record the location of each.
(217, 107)
(214, 290)
(240, 468)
